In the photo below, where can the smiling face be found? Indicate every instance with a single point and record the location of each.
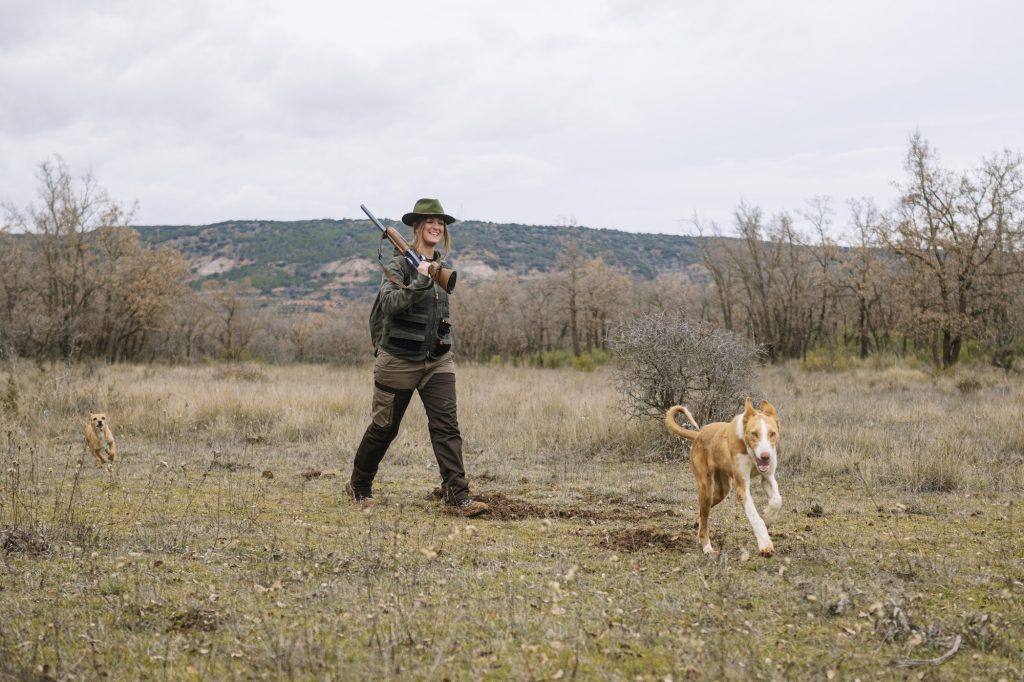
(430, 231)
(760, 433)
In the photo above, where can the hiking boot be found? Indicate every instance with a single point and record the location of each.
(467, 506)
(362, 497)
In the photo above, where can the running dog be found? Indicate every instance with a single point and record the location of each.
(98, 437)
(725, 452)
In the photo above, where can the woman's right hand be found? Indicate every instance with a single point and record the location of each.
(424, 268)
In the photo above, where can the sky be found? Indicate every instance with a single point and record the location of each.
(637, 115)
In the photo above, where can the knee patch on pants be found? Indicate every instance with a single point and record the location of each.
(387, 402)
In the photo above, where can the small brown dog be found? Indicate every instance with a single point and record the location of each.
(98, 438)
(730, 453)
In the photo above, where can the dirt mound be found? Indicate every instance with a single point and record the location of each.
(194, 619)
(640, 539)
(510, 509)
(505, 508)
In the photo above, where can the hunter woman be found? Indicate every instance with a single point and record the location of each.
(410, 326)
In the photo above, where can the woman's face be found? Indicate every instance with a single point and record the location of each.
(431, 231)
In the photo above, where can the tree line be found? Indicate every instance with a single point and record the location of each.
(77, 283)
(941, 269)
(938, 273)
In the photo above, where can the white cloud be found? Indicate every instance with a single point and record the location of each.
(632, 115)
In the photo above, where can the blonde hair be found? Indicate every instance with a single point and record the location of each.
(447, 236)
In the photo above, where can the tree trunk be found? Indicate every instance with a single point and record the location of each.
(950, 348)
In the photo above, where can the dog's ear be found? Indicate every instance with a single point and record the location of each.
(748, 409)
(769, 409)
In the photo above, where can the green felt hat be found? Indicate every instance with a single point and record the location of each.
(425, 208)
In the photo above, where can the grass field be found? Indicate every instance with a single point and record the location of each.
(218, 546)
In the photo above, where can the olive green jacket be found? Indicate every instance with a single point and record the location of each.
(413, 323)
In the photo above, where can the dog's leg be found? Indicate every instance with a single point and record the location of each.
(98, 456)
(703, 537)
(764, 541)
(771, 490)
(705, 480)
(111, 449)
(721, 487)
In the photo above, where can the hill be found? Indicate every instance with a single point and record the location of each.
(327, 259)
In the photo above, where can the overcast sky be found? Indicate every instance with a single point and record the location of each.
(634, 115)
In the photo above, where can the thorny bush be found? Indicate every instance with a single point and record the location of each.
(665, 359)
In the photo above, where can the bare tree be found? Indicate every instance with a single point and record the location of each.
(234, 318)
(960, 235)
(824, 253)
(773, 277)
(138, 294)
(715, 256)
(68, 277)
(603, 295)
(571, 263)
(868, 277)
(16, 281)
(538, 304)
(77, 280)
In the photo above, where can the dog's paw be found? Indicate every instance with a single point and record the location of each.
(767, 551)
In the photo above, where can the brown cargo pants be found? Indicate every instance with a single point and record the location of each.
(394, 380)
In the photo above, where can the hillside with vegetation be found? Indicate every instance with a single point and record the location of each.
(937, 277)
(337, 258)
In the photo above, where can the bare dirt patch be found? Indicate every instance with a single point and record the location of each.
(314, 474)
(506, 508)
(642, 539)
(195, 620)
(229, 466)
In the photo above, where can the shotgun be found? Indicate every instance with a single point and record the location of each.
(443, 276)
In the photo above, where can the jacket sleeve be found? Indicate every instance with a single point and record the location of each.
(393, 298)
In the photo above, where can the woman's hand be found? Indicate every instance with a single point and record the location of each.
(424, 268)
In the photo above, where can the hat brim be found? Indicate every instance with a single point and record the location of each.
(410, 218)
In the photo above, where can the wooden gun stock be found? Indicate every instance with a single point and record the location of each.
(444, 276)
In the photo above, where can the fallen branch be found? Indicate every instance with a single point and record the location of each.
(911, 662)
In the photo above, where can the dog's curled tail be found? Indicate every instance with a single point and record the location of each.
(670, 422)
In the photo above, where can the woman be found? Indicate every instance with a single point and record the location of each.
(412, 338)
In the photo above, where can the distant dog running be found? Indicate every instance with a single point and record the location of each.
(99, 438)
(724, 452)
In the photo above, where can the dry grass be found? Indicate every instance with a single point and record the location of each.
(218, 546)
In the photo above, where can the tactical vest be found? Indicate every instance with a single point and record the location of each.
(421, 331)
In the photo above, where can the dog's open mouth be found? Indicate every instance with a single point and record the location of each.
(763, 462)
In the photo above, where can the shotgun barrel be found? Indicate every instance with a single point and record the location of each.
(443, 276)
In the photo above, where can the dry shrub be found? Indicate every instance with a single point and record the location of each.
(968, 385)
(891, 621)
(20, 540)
(666, 359)
(939, 475)
(979, 631)
(9, 396)
(240, 372)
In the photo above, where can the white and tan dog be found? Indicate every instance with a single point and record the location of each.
(98, 437)
(725, 452)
